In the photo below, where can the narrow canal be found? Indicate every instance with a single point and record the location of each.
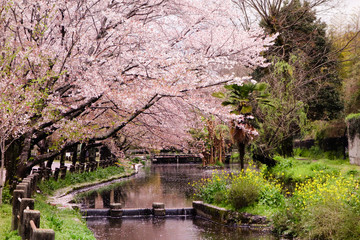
(158, 183)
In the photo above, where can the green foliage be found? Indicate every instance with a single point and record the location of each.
(302, 43)
(207, 188)
(6, 195)
(316, 153)
(135, 160)
(247, 190)
(240, 97)
(290, 170)
(243, 193)
(220, 164)
(5, 223)
(279, 123)
(67, 223)
(71, 179)
(325, 207)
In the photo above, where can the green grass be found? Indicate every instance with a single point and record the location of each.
(67, 223)
(48, 187)
(291, 170)
(5, 223)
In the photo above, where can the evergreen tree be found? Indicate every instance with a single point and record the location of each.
(301, 34)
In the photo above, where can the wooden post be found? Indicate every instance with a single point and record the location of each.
(17, 194)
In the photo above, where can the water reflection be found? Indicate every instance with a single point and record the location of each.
(162, 183)
(169, 228)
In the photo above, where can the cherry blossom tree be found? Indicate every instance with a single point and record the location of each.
(107, 64)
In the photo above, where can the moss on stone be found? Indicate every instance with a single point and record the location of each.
(353, 121)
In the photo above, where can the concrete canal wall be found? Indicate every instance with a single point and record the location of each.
(353, 128)
(199, 209)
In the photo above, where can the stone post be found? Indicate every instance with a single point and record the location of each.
(40, 234)
(48, 173)
(56, 174)
(24, 187)
(36, 179)
(63, 172)
(26, 203)
(26, 229)
(17, 194)
(116, 210)
(30, 186)
(40, 172)
(77, 168)
(158, 209)
(87, 168)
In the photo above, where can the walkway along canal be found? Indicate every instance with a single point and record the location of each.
(165, 183)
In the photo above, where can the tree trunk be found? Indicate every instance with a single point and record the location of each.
(92, 152)
(74, 155)
(50, 162)
(23, 170)
(241, 149)
(11, 160)
(62, 159)
(2, 170)
(83, 153)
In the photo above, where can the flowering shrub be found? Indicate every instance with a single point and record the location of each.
(326, 188)
(209, 189)
(324, 207)
(239, 189)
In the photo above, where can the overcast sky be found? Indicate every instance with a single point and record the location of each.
(341, 11)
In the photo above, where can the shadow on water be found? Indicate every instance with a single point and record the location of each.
(166, 183)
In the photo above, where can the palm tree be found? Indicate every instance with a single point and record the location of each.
(242, 98)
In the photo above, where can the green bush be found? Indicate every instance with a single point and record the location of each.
(239, 190)
(136, 160)
(243, 193)
(6, 195)
(210, 189)
(324, 207)
(330, 220)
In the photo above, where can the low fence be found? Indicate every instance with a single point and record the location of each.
(46, 173)
(27, 220)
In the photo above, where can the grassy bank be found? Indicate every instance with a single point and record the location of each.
(67, 223)
(307, 198)
(78, 180)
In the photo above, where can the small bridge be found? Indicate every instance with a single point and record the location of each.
(176, 158)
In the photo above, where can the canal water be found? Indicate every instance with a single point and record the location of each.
(166, 183)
